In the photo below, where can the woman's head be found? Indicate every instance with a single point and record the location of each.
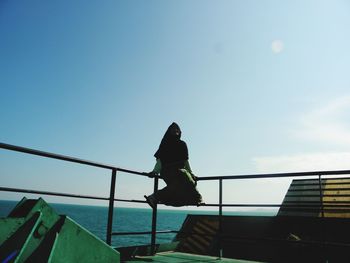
(173, 133)
(171, 147)
(174, 130)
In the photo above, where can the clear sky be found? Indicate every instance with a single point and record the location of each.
(257, 86)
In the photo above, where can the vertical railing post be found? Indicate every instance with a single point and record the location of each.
(220, 218)
(321, 194)
(154, 219)
(111, 208)
(322, 231)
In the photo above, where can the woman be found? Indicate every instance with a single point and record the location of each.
(173, 166)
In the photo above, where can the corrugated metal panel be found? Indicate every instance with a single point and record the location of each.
(310, 197)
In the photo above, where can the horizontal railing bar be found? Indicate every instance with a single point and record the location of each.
(316, 206)
(65, 158)
(328, 207)
(275, 175)
(315, 209)
(143, 233)
(324, 195)
(243, 205)
(282, 206)
(264, 205)
(205, 178)
(31, 191)
(318, 190)
(130, 201)
(132, 172)
(54, 156)
(318, 202)
(322, 179)
(312, 210)
(323, 183)
(18, 190)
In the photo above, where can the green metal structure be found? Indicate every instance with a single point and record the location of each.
(34, 232)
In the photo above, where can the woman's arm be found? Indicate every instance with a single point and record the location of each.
(157, 167)
(188, 168)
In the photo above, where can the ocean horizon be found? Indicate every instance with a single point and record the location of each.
(126, 219)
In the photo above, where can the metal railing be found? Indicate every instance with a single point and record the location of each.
(111, 197)
(321, 206)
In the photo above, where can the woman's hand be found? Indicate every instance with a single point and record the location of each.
(152, 174)
(195, 179)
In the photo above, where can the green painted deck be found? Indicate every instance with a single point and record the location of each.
(177, 257)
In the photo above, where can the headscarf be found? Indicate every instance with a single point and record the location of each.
(172, 149)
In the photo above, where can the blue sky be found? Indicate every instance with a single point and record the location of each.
(256, 86)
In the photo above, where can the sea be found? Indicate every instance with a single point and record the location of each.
(94, 219)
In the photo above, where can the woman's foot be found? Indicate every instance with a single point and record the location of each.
(151, 200)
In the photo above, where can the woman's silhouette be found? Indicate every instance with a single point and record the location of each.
(174, 168)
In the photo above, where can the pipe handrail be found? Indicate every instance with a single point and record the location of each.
(31, 191)
(331, 204)
(66, 158)
(273, 175)
(204, 178)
